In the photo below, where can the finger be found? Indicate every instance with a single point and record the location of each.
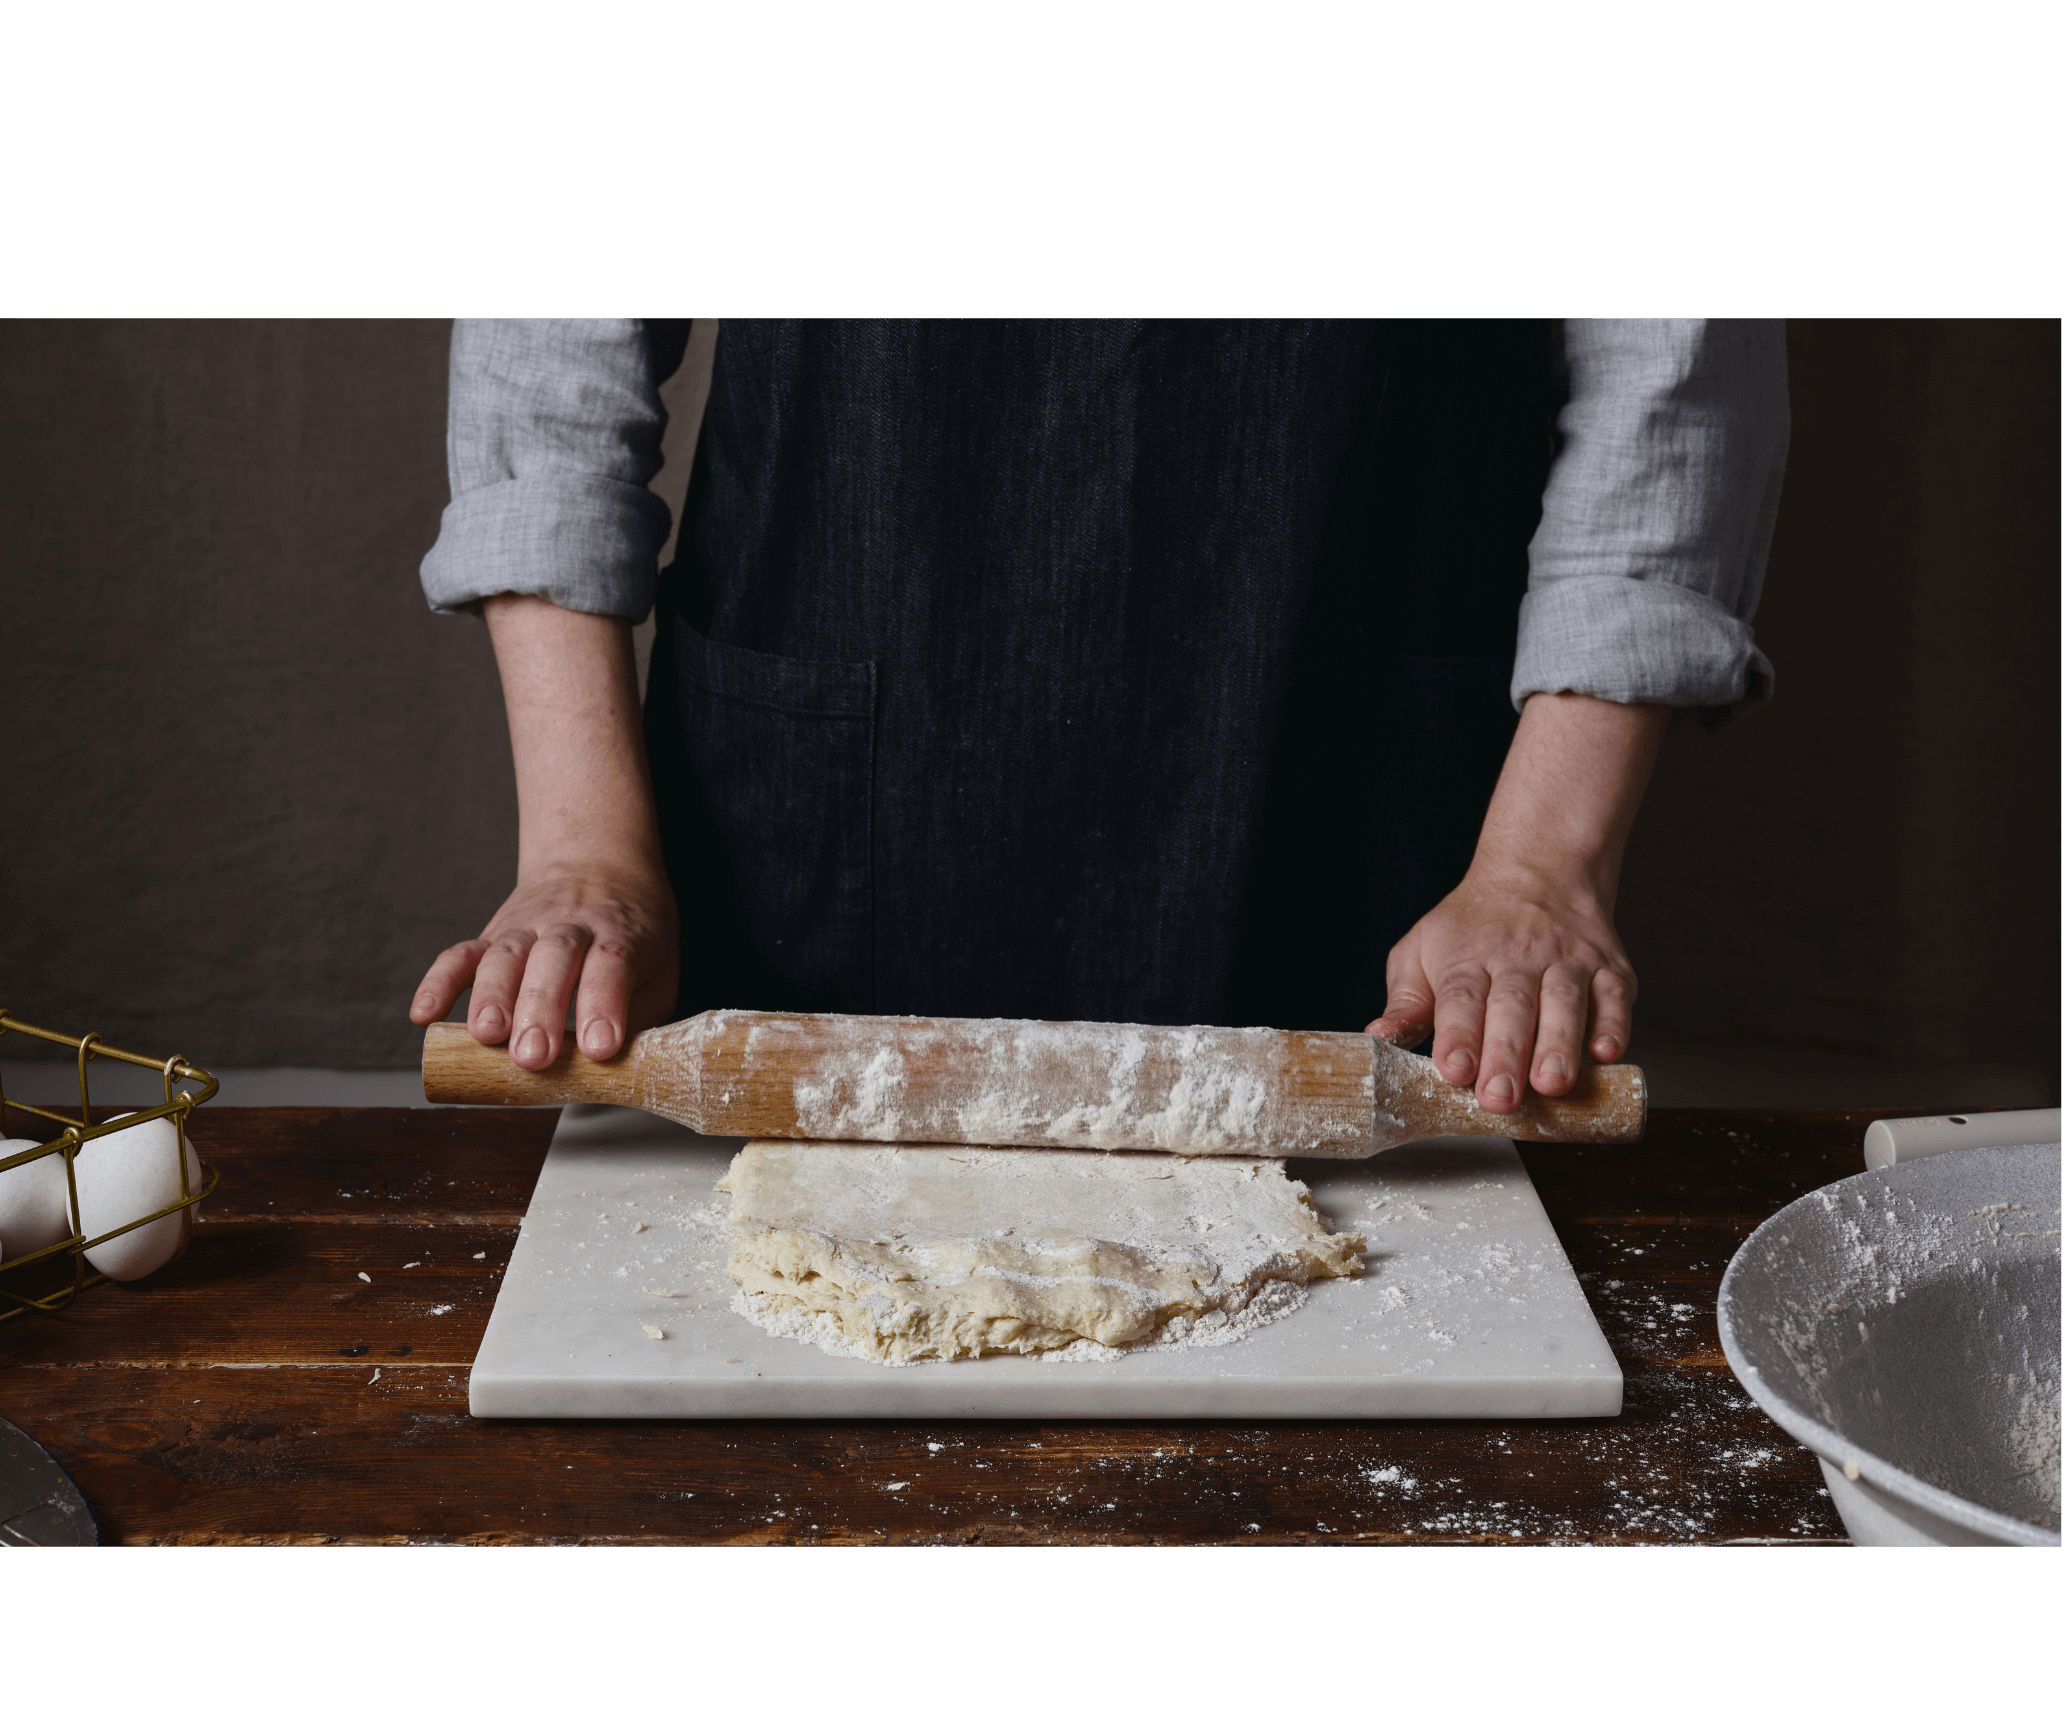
(656, 999)
(449, 974)
(1508, 1022)
(1458, 1023)
(1558, 1039)
(1407, 1014)
(548, 981)
(1611, 1013)
(494, 986)
(602, 1012)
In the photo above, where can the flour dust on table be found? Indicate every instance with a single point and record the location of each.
(902, 1254)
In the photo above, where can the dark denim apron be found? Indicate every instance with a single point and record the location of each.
(1105, 671)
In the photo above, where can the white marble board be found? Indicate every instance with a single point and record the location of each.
(1466, 1308)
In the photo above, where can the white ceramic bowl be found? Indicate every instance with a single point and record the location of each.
(1903, 1325)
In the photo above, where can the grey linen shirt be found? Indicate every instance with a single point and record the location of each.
(1642, 578)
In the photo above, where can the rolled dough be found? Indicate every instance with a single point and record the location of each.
(947, 1252)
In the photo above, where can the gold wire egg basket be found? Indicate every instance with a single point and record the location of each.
(17, 1297)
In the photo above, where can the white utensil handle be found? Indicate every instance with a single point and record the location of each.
(1913, 1137)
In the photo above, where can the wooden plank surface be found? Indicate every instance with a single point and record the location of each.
(300, 1375)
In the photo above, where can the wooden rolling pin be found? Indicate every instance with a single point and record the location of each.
(1236, 1091)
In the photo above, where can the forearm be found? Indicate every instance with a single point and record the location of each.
(583, 787)
(1567, 796)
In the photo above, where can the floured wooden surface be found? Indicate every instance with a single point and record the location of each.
(1238, 1091)
(900, 1254)
(1465, 1307)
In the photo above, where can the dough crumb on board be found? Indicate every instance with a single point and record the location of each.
(901, 1254)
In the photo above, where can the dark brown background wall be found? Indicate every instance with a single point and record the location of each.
(251, 781)
(1870, 863)
(252, 784)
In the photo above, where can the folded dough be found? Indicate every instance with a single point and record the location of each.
(944, 1252)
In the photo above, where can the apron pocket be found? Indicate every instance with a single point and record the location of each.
(777, 908)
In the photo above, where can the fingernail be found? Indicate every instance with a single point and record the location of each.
(425, 1001)
(490, 1019)
(598, 1038)
(1553, 1068)
(532, 1046)
(1462, 1064)
(1500, 1089)
(1605, 1049)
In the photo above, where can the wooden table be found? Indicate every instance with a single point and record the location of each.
(299, 1376)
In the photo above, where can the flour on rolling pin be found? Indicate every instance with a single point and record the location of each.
(1196, 1091)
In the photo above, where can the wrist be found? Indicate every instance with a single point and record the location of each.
(1567, 796)
(1548, 870)
(607, 826)
(625, 864)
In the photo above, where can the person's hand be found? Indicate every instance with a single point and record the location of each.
(1513, 974)
(1520, 968)
(607, 935)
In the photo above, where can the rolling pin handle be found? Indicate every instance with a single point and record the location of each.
(458, 1069)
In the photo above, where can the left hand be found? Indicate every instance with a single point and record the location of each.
(1520, 964)
(1512, 974)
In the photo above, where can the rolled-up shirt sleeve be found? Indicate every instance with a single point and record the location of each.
(552, 440)
(1655, 527)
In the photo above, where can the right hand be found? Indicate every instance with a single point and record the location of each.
(604, 932)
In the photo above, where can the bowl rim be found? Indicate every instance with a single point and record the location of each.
(1824, 1441)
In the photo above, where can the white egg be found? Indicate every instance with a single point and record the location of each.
(35, 1209)
(125, 1176)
